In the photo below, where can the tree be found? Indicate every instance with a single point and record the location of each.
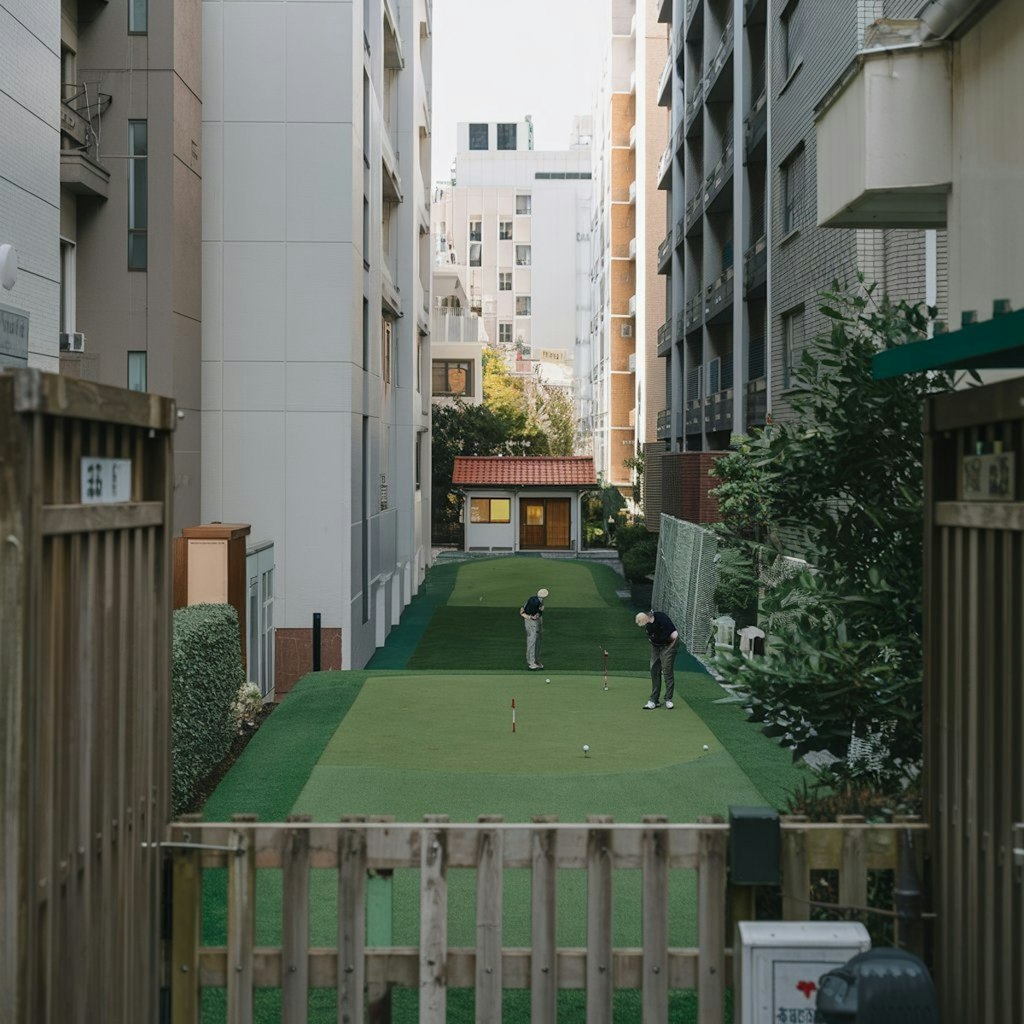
(843, 480)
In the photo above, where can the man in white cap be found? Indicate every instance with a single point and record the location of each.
(664, 637)
(532, 613)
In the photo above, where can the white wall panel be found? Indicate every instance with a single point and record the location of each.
(254, 171)
(254, 317)
(319, 53)
(319, 300)
(253, 386)
(253, 70)
(319, 190)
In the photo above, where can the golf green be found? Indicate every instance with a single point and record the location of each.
(508, 582)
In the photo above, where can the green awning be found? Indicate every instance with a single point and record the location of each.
(996, 344)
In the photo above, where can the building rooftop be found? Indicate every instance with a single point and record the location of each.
(524, 471)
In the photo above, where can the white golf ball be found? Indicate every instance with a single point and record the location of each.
(586, 748)
(547, 680)
(706, 747)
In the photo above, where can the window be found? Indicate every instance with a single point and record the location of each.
(505, 332)
(504, 280)
(534, 515)
(505, 230)
(67, 286)
(385, 350)
(366, 334)
(138, 194)
(792, 342)
(524, 255)
(366, 233)
(792, 190)
(490, 510)
(791, 28)
(474, 231)
(138, 17)
(137, 374)
(452, 377)
(475, 254)
(478, 136)
(523, 305)
(419, 459)
(506, 136)
(524, 205)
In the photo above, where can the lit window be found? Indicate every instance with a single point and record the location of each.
(490, 510)
(452, 378)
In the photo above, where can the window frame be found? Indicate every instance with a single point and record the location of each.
(504, 231)
(524, 199)
(478, 259)
(144, 361)
(133, 26)
(490, 520)
(501, 128)
(527, 301)
(448, 365)
(501, 325)
(793, 172)
(504, 280)
(791, 320)
(475, 130)
(138, 181)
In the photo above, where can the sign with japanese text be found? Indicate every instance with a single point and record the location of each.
(989, 477)
(106, 481)
(795, 990)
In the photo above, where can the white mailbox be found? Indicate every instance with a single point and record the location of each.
(781, 962)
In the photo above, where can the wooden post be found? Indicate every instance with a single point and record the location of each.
(351, 920)
(544, 958)
(489, 879)
(379, 931)
(599, 921)
(186, 897)
(853, 875)
(655, 921)
(433, 922)
(711, 925)
(241, 921)
(795, 882)
(295, 924)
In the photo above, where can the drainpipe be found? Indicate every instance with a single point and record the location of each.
(942, 17)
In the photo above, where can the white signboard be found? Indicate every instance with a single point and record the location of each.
(106, 481)
(989, 477)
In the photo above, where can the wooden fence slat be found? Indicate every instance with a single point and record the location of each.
(853, 876)
(489, 886)
(711, 928)
(599, 922)
(795, 880)
(351, 921)
(544, 962)
(185, 903)
(241, 925)
(655, 922)
(433, 923)
(295, 925)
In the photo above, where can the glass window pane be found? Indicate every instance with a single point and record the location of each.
(478, 510)
(138, 16)
(501, 510)
(478, 136)
(137, 371)
(136, 250)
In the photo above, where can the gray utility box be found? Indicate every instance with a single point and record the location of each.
(754, 841)
(781, 964)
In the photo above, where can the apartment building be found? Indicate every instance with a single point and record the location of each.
(316, 301)
(744, 257)
(457, 339)
(623, 388)
(514, 222)
(29, 185)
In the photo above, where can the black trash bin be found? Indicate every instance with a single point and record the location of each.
(881, 986)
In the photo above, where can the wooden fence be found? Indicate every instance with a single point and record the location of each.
(358, 848)
(84, 699)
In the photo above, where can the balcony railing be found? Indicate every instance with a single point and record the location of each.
(694, 102)
(664, 426)
(694, 311)
(665, 337)
(664, 164)
(718, 62)
(664, 250)
(718, 295)
(720, 174)
(755, 267)
(756, 360)
(756, 124)
(664, 80)
(718, 411)
(680, 326)
(694, 208)
(756, 405)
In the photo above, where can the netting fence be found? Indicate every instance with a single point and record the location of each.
(685, 580)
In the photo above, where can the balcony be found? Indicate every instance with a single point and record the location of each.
(716, 197)
(694, 316)
(718, 411)
(665, 85)
(393, 57)
(756, 11)
(665, 337)
(756, 129)
(680, 232)
(664, 178)
(755, 269)
(80, 171)
(693, 20)
(691, 117)
(664, 427)
(694, 417)
(664, 12)
(632, 248)
(392, 180)
(718, 298)
(756, 403)
(718, 86)
(391, 295)
(885, 141)
(695, 213)
(664, 253)
(677, 137)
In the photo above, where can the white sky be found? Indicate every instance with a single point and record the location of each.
(499, 60)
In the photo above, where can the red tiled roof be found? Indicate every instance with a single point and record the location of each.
(524, 471)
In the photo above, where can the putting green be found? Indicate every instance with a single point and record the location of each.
(508, 582)
(462, 723)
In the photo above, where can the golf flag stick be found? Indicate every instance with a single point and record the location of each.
(513, 714)
(605, 664)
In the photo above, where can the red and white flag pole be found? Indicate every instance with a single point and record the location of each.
(513, 714)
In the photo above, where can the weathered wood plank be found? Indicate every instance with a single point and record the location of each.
(599, 921)
(975, 515)
(295, 926)
(351, 922)
(544, 963)
(795, 879)
(186, 897)
(655, 923)
(489, 892)
(433, 974)
(64, 519)
(711, 928)
(853, 875)
(241, 927)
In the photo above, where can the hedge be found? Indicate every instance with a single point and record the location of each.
(206, 674)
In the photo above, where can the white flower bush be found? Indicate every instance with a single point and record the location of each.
(246, 707)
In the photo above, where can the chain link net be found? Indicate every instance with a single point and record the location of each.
(685, 580)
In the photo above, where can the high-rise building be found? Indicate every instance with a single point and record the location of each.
(514, 220)
(745, 259)
(316, 299)
(129, 209)
(623, 384)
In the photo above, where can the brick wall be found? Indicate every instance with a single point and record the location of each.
(680, 486)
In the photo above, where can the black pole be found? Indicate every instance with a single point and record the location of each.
(316, 641)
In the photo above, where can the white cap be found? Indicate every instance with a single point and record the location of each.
(542, 593)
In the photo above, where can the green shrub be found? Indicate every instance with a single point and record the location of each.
(206, 674)
(629, 535)
(639, 561)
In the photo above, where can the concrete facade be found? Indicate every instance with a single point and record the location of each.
(316, 300)
(30, 181)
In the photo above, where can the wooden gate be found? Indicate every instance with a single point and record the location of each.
(974, 697)
(84, 697)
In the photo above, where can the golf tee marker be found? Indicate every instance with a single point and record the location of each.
(513, 714)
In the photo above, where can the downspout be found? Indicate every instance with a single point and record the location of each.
(941, 18)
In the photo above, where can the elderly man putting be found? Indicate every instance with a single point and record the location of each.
(532, 613)
(664, 637)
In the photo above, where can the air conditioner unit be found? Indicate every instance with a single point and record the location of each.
(714, 376)
(626, 330)
(631, 363)
(72, 342)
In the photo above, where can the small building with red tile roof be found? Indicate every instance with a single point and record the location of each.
(523, 503)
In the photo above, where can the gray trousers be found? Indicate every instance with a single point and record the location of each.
(663, 663)
(534, 632)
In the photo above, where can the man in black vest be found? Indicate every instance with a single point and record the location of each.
(532, 613)
(664, 637)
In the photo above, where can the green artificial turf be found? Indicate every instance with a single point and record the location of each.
(508, 582)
